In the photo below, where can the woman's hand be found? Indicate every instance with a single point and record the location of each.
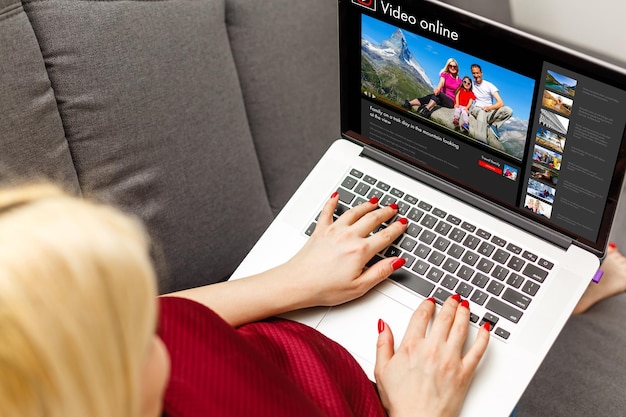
(429, 375)
(329, 269)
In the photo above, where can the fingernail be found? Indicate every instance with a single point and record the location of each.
(398, 263)
(393, 206)
(465, 304)
(432, 300)
(335, 194)
(457, 298)
(487, 326)
(612, 245)
(403, 220)
(381, 326)
(374, 200)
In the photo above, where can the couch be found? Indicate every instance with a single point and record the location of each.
(202, 117)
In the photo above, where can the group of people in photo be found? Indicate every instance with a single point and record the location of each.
(476, 97)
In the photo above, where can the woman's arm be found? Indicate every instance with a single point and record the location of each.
(328, 270)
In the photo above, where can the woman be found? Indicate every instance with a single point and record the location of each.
(443, 94)
(78, 317)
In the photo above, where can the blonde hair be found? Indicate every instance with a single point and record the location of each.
(77, 306)
(448, 62)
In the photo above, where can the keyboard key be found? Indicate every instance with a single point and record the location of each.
(427, 237)
(483, 234)
(471, 242)
(409, 259)
(479, 297)
(535, 272)
(451, 265)
(415, 283)
(422, 251)
(501, 256)
(420, 267)
(441, 295)
(500, 273)
(457, 235)
(495, 287)
(545, 264)
(449, 282)
(515, 280)
(517, 299)
(383, 186)
(408, 244)
(429, 221)
(346, 196)
(439, 213)
(392, 251)
(464, 289)
(513, 248)
(530, 288)
(309, 231)
(470, 258)
(516, 263)
(375, 193)
(425, 206)
(502, 333)
(397, 193)
(413, 230)
(503, 310)
(456, 251)
(486, 249)
(403, 207)
(349, 182)
(485, 265)
(410, 199)
(465, 272)
(356, 173)
(370, 180)
(480, 280)
(415, 215)
(436, 258)
(530, 256)
(435, 274)
(490, 318)
(468, 227)
(441, 244)
(498, 241)
(362, 188)
(453, 219)
(443, 228)
(386, 200)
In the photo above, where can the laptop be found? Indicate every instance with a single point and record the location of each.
(512, 211)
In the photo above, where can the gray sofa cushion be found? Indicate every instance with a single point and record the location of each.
(33, 143)
(287, 58)
(154, 117)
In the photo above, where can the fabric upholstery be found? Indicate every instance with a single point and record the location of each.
(288, 63)
(155, 121)
(33, 144)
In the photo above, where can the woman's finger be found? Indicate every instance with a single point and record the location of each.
(460, 327)
(418, 324)
(445, 318)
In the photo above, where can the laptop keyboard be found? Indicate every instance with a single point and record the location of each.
(445, 255)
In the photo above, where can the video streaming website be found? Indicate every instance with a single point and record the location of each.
(548, 152)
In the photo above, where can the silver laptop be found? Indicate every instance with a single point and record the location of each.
(513, 212)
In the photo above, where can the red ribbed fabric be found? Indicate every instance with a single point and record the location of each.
(270, 368)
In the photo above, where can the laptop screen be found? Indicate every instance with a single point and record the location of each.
(525, 124)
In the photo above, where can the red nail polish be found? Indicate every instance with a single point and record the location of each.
(398, 263)
(465, 304)
(487, 326)
(335, 194)
(612, 245)
(374, 200)
(432, 300)
(403, 220)
(457, 298)
(393, 206)
(381, 326)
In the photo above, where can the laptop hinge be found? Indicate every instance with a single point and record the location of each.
(474, 200)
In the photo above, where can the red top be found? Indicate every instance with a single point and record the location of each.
(271, 368)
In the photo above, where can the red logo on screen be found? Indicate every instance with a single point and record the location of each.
(368, 4)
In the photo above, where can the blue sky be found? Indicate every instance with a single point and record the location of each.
(515, 89)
